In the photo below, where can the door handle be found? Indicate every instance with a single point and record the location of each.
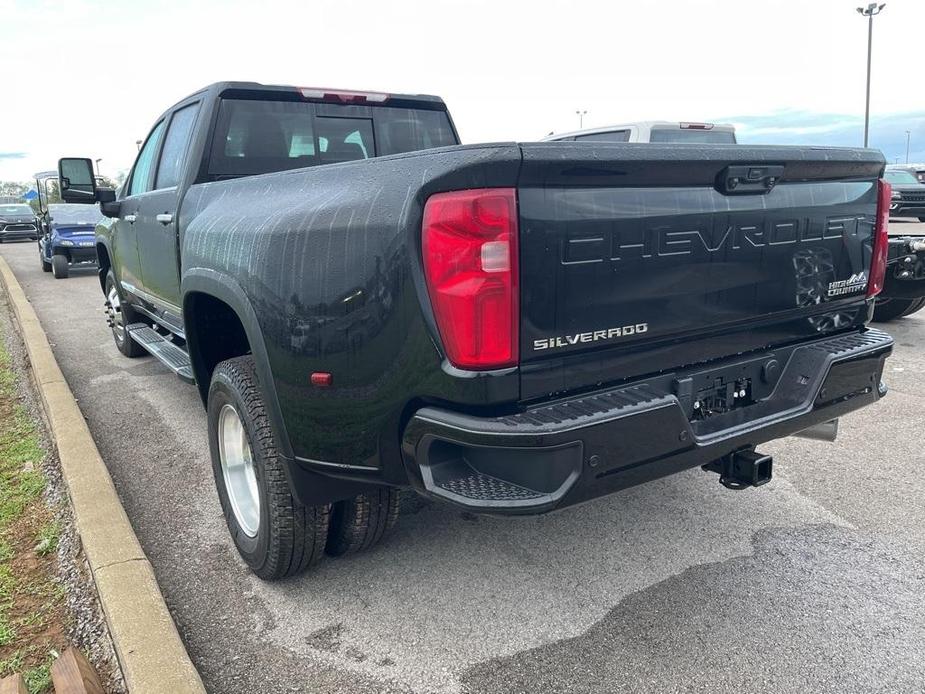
(165, 219)
(130, 218)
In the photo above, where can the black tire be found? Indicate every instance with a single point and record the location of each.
(922, 219)
(289, 537)
(892, 309)
(359, 523)
(46, 266)
(59, 267)
(124, 343)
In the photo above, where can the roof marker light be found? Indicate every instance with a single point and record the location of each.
(343, 95)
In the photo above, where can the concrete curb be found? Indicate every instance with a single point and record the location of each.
(150, 652)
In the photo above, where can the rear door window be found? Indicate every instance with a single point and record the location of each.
(176, 144)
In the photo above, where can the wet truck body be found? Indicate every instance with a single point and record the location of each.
(641, 289)
(514, 328)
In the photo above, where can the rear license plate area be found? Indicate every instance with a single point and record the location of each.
(718, 391)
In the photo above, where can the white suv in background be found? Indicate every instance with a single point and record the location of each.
(653, 131)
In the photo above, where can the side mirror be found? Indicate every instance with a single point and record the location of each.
(109, 206)
(76, 180)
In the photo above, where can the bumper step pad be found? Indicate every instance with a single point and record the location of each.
(170, 355)
(480, 487)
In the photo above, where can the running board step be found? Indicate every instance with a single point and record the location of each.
(174, 358)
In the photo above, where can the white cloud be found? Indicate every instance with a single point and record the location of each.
(92, 76)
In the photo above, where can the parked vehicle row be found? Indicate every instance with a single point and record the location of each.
(367, 306)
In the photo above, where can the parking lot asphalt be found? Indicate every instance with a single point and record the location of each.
(814, 582)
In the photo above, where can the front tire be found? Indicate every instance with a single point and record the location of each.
(363, 521)
(59, 267)
(275, 535)
(892, 309)
(120, 314)
(46, 266)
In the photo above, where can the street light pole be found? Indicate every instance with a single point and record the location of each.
(869, 12)
(908, 137)
(581, 118)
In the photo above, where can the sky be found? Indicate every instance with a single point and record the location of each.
(89, 78)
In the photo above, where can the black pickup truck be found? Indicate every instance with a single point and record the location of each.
(365, 305)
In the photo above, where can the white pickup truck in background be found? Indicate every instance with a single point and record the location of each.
(653, 131)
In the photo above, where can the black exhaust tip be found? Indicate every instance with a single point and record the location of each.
(746, 468)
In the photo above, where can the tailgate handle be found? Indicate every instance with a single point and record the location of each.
(749, 179)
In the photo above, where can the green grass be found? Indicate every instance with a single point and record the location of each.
(38, 679)
(21, 507)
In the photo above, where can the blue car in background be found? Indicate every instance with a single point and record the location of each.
(68, 237)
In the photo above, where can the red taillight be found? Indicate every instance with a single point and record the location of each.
(470, 263)
(881, 240)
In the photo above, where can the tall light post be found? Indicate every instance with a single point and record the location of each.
(870, 11)
(98, 165)
(908, 137)
(581, 118)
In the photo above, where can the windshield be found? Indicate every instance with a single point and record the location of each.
(18, 210)
(715, 137)
(902, 178)
(74, 214)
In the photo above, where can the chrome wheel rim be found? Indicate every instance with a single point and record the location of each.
(114, 313)
(238, 470)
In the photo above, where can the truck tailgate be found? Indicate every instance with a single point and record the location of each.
(632, 249)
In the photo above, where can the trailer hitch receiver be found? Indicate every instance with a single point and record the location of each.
(745, 468)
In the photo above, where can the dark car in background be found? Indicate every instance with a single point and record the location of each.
(68, 237)
(908, 199)
(17, 221)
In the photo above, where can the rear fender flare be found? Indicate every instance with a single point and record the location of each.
(227, 289)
